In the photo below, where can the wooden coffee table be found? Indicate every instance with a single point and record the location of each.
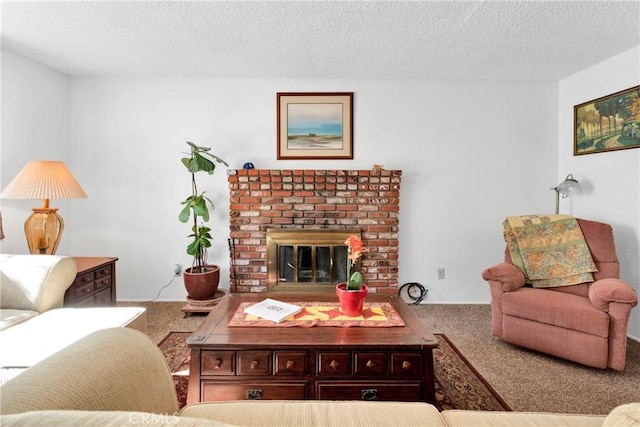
(334, 363)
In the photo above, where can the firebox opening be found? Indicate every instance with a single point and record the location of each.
(307, 260)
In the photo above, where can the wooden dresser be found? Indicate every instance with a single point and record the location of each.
(333, 363)
(95, 284)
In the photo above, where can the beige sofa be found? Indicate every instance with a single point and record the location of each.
(33, 324)
(118, 377)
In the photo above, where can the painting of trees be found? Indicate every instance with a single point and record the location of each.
(608, 123)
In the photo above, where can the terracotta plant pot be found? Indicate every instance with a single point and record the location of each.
(351, 302)
(202, 286)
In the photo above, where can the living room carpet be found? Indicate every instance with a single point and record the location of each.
(458, 384)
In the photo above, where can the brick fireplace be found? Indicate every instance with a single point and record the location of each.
(261, 199)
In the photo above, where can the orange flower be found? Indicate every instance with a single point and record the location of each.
(355, 248)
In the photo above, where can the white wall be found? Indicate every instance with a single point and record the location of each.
(610, 180)
(472, 153)
(35, 126)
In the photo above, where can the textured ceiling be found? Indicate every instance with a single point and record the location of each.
(452, 40)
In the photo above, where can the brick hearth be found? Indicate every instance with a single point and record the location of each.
(335, 199)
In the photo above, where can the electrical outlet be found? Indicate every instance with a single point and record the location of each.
(178, 270)
(441, 273)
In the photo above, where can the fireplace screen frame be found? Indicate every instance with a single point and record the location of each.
(308, 241)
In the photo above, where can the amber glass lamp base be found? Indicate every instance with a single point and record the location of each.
(44, 230)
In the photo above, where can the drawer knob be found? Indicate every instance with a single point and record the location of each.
(406, 365)
(369, 394)
(334, 364)
(217, 364)
(290, 364)
(254, 394)
(370, 364)
(254, 364)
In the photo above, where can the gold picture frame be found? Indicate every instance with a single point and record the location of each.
(608, 123)
(314, 125)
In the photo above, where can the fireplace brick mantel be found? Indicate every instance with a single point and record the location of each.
(300, 198)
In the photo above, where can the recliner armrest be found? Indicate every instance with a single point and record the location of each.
(604, 291)
(508, 275)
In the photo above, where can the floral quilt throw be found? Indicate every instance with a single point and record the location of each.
(549, 249)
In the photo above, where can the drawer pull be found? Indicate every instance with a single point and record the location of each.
(369, 394)
(370, 364)
(334, 364)
(217, 364)
(254, 364)
(406, 365)
(290, 364)
(254, 394)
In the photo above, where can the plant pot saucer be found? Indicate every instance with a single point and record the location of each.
(203, 306)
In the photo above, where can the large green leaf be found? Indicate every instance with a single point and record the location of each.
(355, 281)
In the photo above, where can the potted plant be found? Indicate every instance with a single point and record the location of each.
(353, 292)
(201, 279)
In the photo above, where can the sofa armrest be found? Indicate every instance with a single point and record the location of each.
(605, 291)
(507, 275)
(116, 369)
(35, 282)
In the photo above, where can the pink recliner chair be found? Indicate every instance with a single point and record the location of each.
(585, 323)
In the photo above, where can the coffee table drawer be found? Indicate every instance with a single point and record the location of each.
(406, 364)
(334, 363)
(291, 363)
(217, 391)
(217, 362)
(253, 362)
(370, 363)
(368, 390)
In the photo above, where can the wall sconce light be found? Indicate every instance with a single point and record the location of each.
(42, 179)
(566, 188)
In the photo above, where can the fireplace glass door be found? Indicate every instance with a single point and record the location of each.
(301, 260)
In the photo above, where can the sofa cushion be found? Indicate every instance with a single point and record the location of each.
(103, 419)
(317, 413)
(115, 369)
(556, 308)
(520, 419)
(28, 343)
(627, 415)
(10, 317)
(35, 282)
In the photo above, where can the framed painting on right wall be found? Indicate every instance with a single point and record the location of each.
(608, 123)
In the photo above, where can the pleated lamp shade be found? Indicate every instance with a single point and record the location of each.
(44, 179)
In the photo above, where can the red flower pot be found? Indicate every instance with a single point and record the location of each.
(351, 302)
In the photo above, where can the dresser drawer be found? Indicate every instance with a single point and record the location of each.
(102, 298)
(217, 362)
(370, 363)
(82, 290)
(291, 363)
(216, 391)
(95, 283)
(103, 272)
(369, 390)
(103, 282)
(84, 279)
(254, 363)
(334, 363)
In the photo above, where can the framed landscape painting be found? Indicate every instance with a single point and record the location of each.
(315, 125)
(608, 123)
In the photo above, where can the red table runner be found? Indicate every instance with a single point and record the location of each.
(377, 315)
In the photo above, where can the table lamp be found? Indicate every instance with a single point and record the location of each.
(565, 189)
(44, 179)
